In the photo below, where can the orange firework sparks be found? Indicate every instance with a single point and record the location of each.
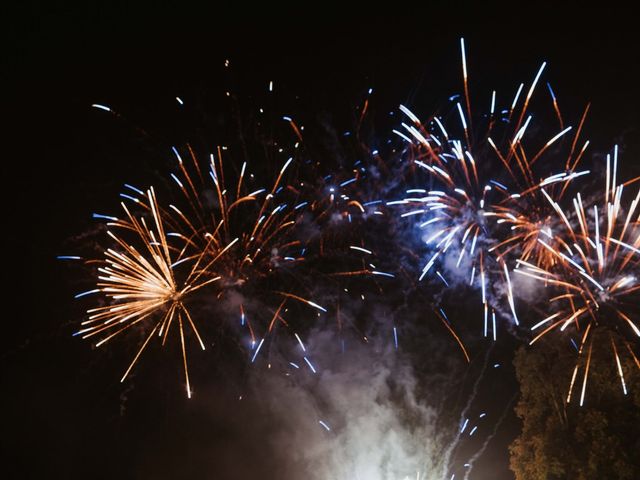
(597, 254)
(221, 235)
(141, 283)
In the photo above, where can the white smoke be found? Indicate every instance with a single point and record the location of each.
(376, 427)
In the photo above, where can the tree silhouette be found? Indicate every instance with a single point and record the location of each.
(560, 440)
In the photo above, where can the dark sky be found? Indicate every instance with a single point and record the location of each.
(64, 413)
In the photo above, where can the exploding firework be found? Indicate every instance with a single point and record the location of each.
(529, 214)
(242, 242)
(257, 228)
(477, 185)
(263, 248)
(145, 281)
(595, 274)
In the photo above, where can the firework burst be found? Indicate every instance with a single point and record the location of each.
(479, 186)
(144, 283)
(595, 273)
(529, 214)
(242, 244)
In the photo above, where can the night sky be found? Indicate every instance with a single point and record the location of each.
(64, 412)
